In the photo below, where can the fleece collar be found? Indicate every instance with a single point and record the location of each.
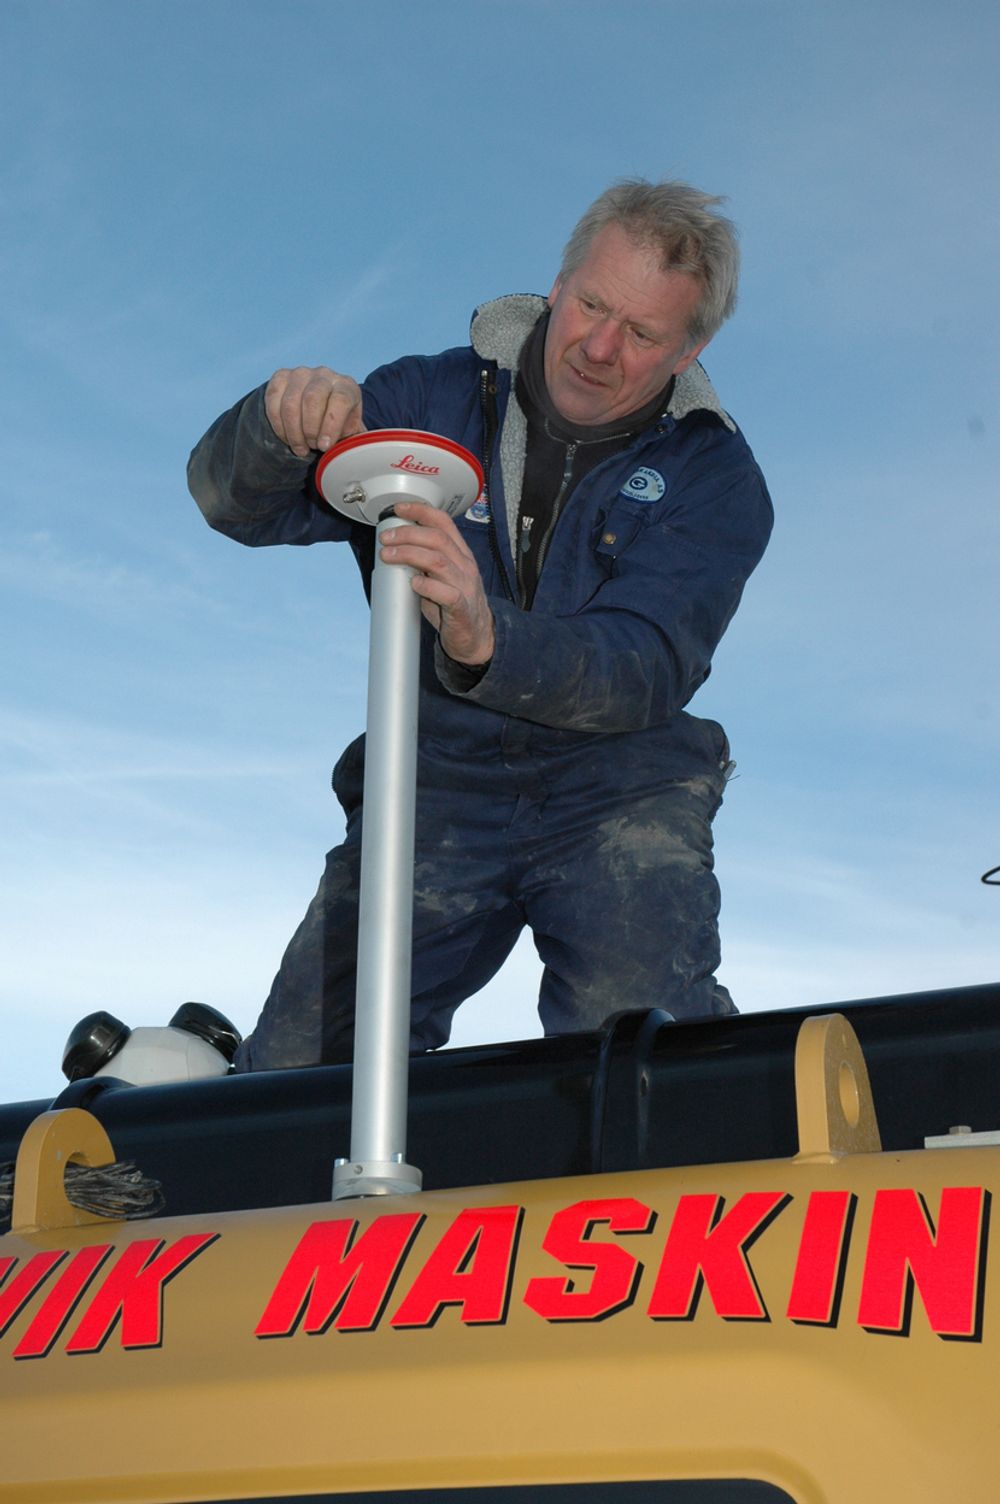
(500, 328)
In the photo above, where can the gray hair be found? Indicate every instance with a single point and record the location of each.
(682, 224)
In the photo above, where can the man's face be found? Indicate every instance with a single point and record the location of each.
(618, 330)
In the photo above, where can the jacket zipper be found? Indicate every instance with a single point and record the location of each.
(527, 523)
(488, 406)
(567, 477)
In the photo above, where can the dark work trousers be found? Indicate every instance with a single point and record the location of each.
(612, 874)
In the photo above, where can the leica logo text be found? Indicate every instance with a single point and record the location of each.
(409, 463)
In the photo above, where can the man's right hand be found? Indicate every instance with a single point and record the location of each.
(312, 407)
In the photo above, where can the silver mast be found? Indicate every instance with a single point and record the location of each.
(364, 477)
(377, 1165)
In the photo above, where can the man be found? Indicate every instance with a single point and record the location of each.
(570, 615)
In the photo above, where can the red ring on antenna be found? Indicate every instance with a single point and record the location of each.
(403, 436)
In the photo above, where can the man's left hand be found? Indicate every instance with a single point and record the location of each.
(447, 579)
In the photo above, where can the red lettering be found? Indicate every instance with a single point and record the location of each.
(471, 1267)
(23, 1286)
(409, 463)
(332, 1274)
(62, 1301)
(817, 1284)
(946, 1267)
(704, 1248)
(133, 1291)
(615, 1273)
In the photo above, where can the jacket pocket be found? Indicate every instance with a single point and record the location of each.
(618, 530)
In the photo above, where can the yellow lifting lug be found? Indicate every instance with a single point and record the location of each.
(833, 1095)
(53, 1141)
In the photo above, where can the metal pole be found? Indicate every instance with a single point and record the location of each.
(363, 477)
(377, 1165)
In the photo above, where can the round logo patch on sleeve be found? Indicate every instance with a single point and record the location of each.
(644, 485)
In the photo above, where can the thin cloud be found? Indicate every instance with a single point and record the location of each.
(43, 566)
(48, 753)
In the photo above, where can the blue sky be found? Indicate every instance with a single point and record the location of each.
(193, 194)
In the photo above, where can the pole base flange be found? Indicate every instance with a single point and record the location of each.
(374, 1177)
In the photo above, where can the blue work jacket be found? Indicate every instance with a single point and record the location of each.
(643, 572)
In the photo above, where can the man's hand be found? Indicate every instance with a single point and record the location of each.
(313, 407)
(447, 580)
